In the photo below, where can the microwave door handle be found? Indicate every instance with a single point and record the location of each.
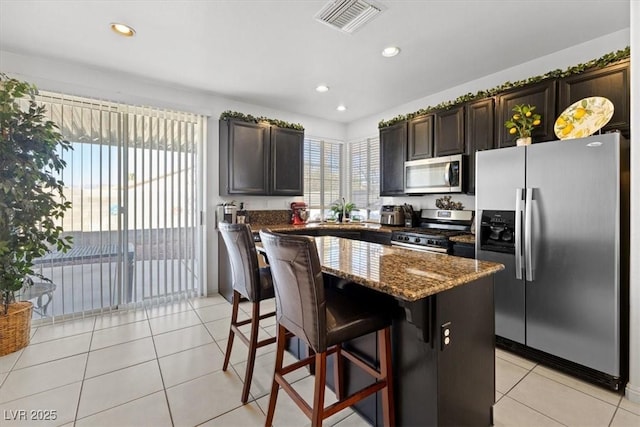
(518, 243)
(447, 174)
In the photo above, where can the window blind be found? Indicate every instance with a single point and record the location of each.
(364, 174)
(322, 172)
(134, 180)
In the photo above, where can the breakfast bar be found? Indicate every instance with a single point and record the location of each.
(443, 330)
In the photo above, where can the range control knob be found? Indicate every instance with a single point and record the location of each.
(417, 240)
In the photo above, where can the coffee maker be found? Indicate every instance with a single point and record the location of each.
(226, 212)
(299, 213)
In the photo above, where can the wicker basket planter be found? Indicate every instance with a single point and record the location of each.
(15, 327)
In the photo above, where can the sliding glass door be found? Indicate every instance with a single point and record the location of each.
(134, 180)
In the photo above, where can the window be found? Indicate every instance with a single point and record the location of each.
(364, 177)
(134, 180)
(322, 176)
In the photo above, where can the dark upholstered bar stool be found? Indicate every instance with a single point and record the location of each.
(323, 318)
(253, 283)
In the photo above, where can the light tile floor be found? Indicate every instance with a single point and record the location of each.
(161, 366)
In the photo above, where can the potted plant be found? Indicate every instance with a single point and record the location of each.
(31, 201)
(522, 123)
(340, 208)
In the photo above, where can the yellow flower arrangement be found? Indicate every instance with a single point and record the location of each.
(523, 121)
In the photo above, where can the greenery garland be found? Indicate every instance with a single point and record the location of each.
(234, 115)
(601, 62)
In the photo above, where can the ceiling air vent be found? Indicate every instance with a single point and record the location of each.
(347, 15)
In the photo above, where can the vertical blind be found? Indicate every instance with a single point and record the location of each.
(364, 173)
(134, 180)
(322, 173)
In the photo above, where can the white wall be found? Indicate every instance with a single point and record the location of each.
(75, 79)
(633, 387)
(79, 80)
(368, 126)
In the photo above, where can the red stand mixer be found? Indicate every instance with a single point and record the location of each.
(299, 213)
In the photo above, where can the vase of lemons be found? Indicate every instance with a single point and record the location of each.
(522, 123)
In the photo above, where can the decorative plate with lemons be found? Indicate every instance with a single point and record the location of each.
(584, 118)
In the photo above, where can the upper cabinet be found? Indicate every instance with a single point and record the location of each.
(611, 82)
(479, 125)
(393, 143)
(479, 118)
(420, 142)
(542, 96)
(449, 132)
(260, 159)
(287, 154)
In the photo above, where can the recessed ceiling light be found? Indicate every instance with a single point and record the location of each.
(322, 88)
(341, 108)
(390, 51)
(122, 29)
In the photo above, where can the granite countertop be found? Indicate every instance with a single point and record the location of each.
(370, 226)
(402, 273)
(464, 238)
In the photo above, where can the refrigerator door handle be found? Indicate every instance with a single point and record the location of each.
(518, 243)
(528, 238)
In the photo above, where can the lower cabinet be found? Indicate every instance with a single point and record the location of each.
(225, 278)
(436, 384)
(464, 250)
(375, 237)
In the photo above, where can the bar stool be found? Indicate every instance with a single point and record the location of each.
(253, 283)
(323, 318)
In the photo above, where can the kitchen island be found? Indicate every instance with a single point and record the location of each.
(443, 330)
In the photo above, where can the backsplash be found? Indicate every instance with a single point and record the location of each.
(429, 201)
(269, 217)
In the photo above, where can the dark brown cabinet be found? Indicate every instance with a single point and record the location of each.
(420, 141)
(543, 96)
(393, 143)
(449, 132)
(287, 151)
(479, 118)
(612, 82)
(260, 159)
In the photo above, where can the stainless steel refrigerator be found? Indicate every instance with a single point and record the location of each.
(556, 215)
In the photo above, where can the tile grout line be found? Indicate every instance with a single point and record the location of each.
(164, 387)
(580, 391)
(84, 374)
(536, 411)
(558, 382)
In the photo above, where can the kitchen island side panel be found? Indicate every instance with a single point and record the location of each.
(454, 384)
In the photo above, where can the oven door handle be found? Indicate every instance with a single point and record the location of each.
(419, 248)
(518, 243)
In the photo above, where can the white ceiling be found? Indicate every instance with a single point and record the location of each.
(273, 53)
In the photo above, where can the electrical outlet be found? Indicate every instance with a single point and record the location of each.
(445, 336)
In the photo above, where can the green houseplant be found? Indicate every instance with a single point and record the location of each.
(31, 196)
(340, 207)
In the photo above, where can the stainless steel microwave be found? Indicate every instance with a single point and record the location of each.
(437, 175)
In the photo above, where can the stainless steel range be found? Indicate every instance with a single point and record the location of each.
(436, 227)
